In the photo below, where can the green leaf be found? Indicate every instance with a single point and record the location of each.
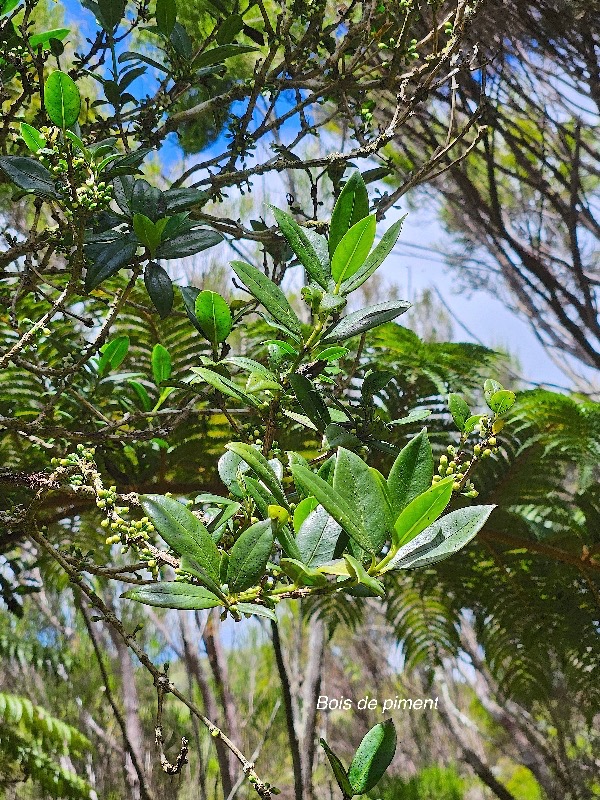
(226, 386)
(459, 409)
(383, 248)
(374, 382)
(249, 365)
(300, 574)
(360, 574)
(490, 387)
(302, 511)
(183, 596)
(269, 294)
(161, 364)
(256, 610)
(219, 54)
(149, 233)
(343, 513)
(61, 99)
(29, 175)
(214, 316)
(111, 13)
(363, 320)
(166, 16)
(32, 137)
(182, 531)
(333, 353)
(373, 757)
(471, 423)
(193, 567)
(301, 242)
(353, 249)
(422, 511)
(354, 482)
(416, 415)
(352, 205)
(500, 402)
(229, 28)
(142, 394)
(181, 41)
(411, 473)
(310, 400)
(189, 243)
(113, 354)
(339, 772)
(442, 539)
(184, 199)
(160, 288)
(317, 535)
(249, 556)
(44, 38)
(257, 462)
(106, 259)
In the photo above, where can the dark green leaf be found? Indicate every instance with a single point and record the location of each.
(160, 288)
(182, 531)
(188, 244)
(317, 536)
(130, 56)
(249, 556)
(374, 382)
(214, 316)
(364, 320)
(353, 249)
(229, 28)
(411, 473)
(29, 175)
(375, 259)
(442, 539)
(166, 16)
(352, 205)
(181, 41)
(459, 409)
(355, 483)
(183, 596)
(127, 164)
(105, 260)
(183, 199)
(338, 771)
(310, 400)
(161, 364)
(269, 294)
(219, 54)
(373, 757)
(335, 505)
(62, 99)
(314, 259)
(202, 573)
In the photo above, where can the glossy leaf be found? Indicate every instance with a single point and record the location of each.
(352, 205)
(182, 531)
(375, 259)
(302, 510)
(219, 54)
(214, 316)
(184, 596)
(43, 39)
(303, 245)
(336, 506)
(189, 243)
(317, 535)
(373, 757)
(225, 385)
(149, 233)
(363, 320)
(411, 473)
(339, 771)
(353, 249)
(310, 400)
(249, 556)
(160, 288)
(161, 364)
(502, 401)
(257, 462)
(490, 387)
(269, 294)
(113, 354)
(32, 137)
(301, 574)
(442, 539)
(422, 511)
(106, 259)
(62, 99)
(354, 482)
(459, 409)
(29, 175)
(360, 574)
